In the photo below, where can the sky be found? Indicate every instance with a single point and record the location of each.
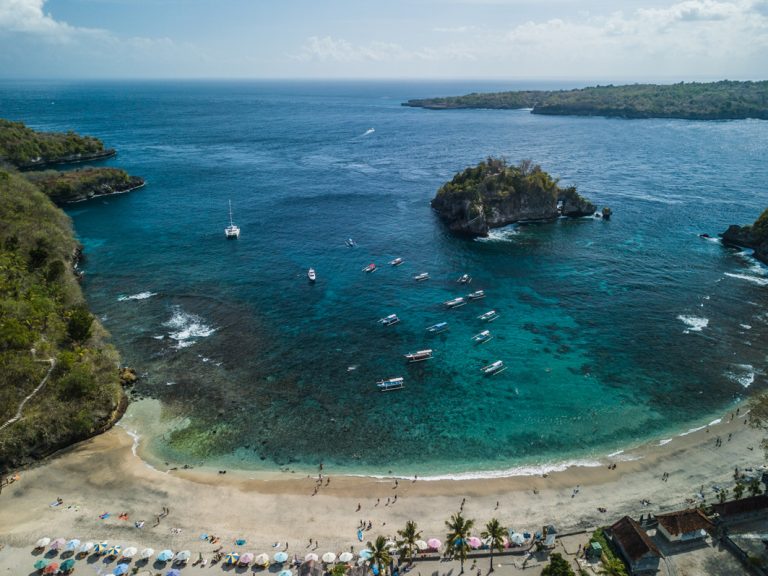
(641, 40)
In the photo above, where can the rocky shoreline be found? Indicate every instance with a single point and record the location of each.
(70, 159)
(746, 237)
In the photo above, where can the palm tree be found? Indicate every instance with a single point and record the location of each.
(380, 554)
(407, 545)
(458, 531)
(494, 533)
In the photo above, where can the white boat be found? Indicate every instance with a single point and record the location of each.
(396, 262)
(489, 316)
(349, 242)
(438, 328)
(311, 275)
(370, 268)
(421, 277)
(391, 384)
(493, 368)
(464, 279)
(455, 303)
(419, 356)
(389, 320)
(482, 337)
(231, 231)
(476, 295)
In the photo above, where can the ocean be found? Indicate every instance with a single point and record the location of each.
(613, 332)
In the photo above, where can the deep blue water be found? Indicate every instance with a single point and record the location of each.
(613, 332)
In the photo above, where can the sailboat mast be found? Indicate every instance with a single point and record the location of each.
(230, 213)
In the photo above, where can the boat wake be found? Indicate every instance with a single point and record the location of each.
(369, 131)
(186, 328)
(139, 296)
(694, 323)
(759, 280)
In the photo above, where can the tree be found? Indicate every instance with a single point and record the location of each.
(380, 554)
(494, 533)
(754, 487)
(459, 529)
(738, 490)
(558, 566)
(407, 543)
(722, 496)
(79, 325)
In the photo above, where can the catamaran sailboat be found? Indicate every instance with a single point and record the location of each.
(231, 231)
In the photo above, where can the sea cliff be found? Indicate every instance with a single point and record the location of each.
(79, 185)
(753, 236)
(494, 194)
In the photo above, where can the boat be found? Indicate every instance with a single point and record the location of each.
(421, 277)
(464, 279)
(482, 337)
(349, 242)
(493, 368)
(455, 303)
(389, 320)
(396, 262)
(391, 384)
(419, 356)
(370, 268)
(311, 275)
(438, 328)
(231, 231)
(476, 295)
(489, 316)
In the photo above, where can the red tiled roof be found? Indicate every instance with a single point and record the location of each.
(633, 539)
(684, 521)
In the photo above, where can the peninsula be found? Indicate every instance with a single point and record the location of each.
(753, 236)
(724, 100)
(494, 194)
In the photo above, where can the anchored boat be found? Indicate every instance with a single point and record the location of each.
(482, 337)
(455, 303)
(489, 316)
(476, 295)
(464, 279)
(391, 384)
(389, 320)
(396, 262)
(231, 231)
(370, 268)
(438, 328)
(349, 242)
(419, 356)
(493, 368)
(311, 275)
(421, 277)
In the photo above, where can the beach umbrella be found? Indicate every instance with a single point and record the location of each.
(120, 569)
(281, 557)
(58, 543)
(346, 556)
(247, 558)
(285, 573)
(86, 548)
(165, 555)
(311, 557)
(474, 542)
(67, 565)
(146, 553)
(129, 552)
(42, 563)
(434, 543)
(115, 550)
(421, 545)
(231, 558)
(329, 557)
(182, 556)
(261, 559)
(517, 538)
(71, 545)
(51, 568)
(101, 548)
(42, 543)
(365, 554)
(173, 572)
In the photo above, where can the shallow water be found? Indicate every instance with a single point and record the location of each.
(613, 332)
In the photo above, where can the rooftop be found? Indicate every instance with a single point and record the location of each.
(633, 539)
(684, 521)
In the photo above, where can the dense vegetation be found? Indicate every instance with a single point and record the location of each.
(695, 100)
(44, 323)
(24, 148)
(77, 185)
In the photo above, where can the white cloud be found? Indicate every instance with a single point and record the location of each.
(29, 17)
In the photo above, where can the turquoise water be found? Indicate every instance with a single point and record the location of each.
(613, 332)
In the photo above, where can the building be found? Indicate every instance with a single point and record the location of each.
(684, 525)
(635, 546)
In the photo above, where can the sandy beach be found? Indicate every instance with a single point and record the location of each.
(102, 475)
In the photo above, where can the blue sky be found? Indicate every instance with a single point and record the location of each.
(420, 39)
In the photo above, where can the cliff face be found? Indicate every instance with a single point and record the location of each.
(754, 236)
(79, 185)
(493, 194)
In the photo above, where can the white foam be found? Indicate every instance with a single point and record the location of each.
(694, 323)
(612, 454)
(504, 234)
(665, 441)
(759, 280)
(715, 422)
(743, 374)
(187, 328)
(139, 296)
(692, 430)
(746, 326)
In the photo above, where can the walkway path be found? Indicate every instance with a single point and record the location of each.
(31, 394)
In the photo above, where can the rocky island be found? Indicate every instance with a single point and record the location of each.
(754, 236)
(494, 194)
(79, 185)
(724, 100)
